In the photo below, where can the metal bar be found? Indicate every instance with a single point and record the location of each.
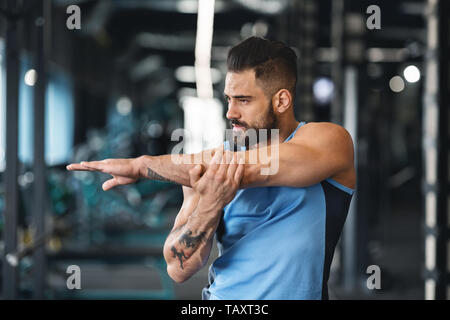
(350, 243)
(337, 39)
(435, 150)
(10, 276)
(430, 119)
(443, 133)
(306, 41)
(39, 197)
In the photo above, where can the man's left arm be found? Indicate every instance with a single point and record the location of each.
(318, 151)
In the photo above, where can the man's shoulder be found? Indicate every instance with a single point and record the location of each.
(321, 126)
(323, 131)
(333, 141)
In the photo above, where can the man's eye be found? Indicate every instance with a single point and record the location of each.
(244, 100)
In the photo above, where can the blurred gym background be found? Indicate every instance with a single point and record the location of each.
(137, 70)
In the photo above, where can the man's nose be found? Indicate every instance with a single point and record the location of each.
(233, 112)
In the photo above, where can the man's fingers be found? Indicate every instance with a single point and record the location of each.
(239, 171)
(233, 166)
(78, 167)
(228, 156)
(87, 166)
(96, 165)
(215, 161)
(194, 174)
(218, 156)
(111, 183)
(222, 171)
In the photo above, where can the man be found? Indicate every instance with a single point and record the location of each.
(277, 233)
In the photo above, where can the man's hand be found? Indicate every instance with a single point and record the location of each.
(218, 185)
(123, 171)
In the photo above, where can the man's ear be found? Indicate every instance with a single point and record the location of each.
(282, 100)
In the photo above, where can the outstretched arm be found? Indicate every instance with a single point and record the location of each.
(318, 151)
(171, 168)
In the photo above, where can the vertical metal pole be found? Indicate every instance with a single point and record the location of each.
(307, 62)
(430, 119)
(349, 260)
(10, 276)
(443, 239)
(337, 43)
(39, 199)
(436, 152)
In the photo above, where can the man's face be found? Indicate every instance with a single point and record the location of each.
(248, 105)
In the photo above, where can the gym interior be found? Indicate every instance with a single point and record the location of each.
(84, 80)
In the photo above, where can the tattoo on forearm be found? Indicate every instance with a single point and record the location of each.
(189, 244)
(190, 241)
(180, 255)
(155, 176)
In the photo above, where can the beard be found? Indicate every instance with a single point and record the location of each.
(251, 136)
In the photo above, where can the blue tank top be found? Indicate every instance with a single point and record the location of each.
(277, 243)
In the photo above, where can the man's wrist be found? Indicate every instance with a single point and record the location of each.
(206, 219)
(205, 207)
(142, 163)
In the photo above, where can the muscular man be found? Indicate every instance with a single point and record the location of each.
(278, 232)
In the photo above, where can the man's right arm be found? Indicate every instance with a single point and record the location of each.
(188, 246)
(170, 167)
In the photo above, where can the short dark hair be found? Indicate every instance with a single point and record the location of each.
(274, 63)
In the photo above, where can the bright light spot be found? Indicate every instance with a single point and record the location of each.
(28, 177)
(124, 106)
(154, 129)
(412, 74)
(323, 89)
(25, 179)
(187, 6)
(95, 143)
(260, 29)
(187, 74)
(396, 84)
(12, 259)
(134, 197)
(246, 30)
(30, 77)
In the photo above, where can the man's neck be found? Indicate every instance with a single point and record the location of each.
(287, 128)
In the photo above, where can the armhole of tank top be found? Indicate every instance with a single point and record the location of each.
(340, 186)
(295, 131)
